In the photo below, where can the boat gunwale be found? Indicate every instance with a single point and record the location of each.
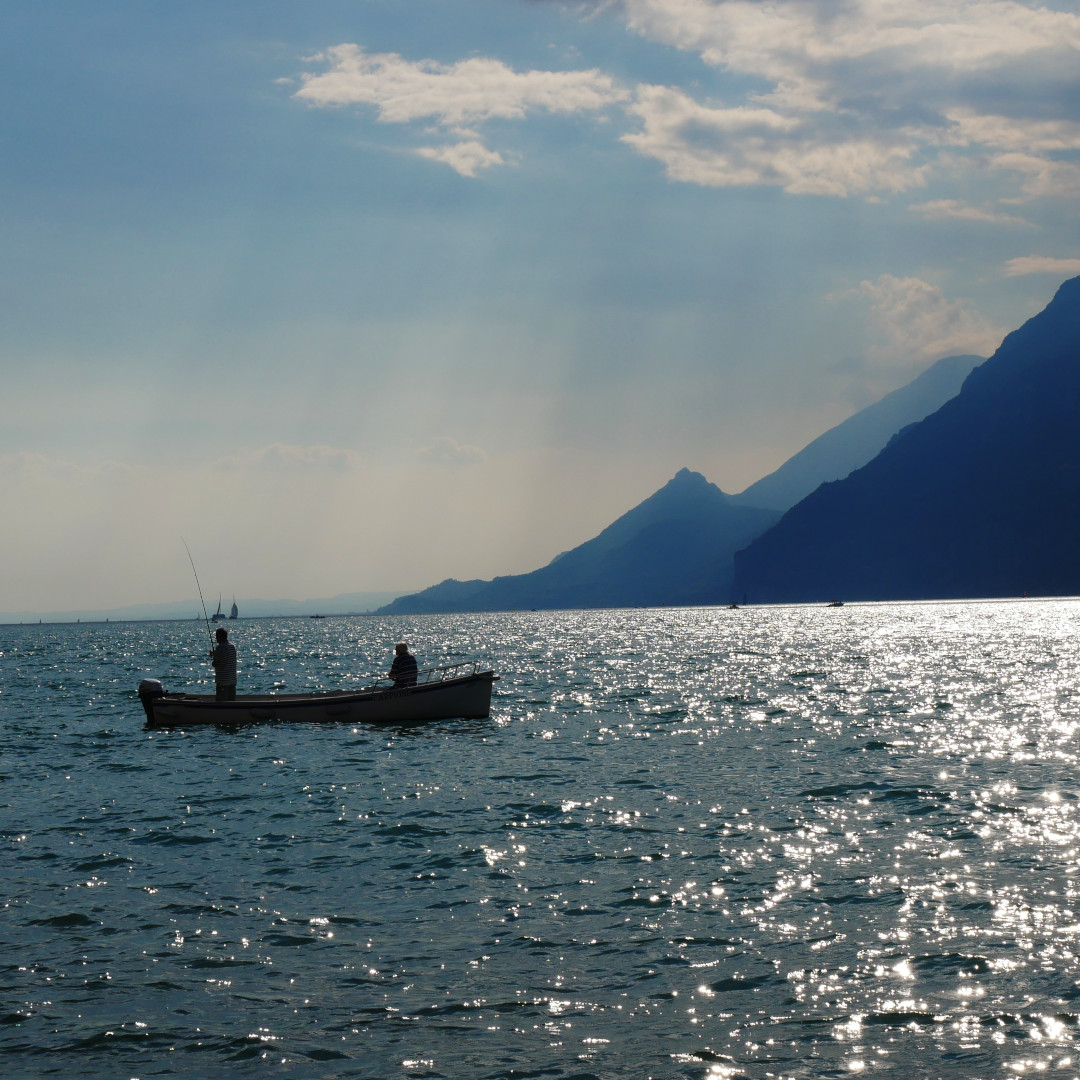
(316, 697)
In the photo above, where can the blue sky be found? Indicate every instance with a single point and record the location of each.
(364, 295)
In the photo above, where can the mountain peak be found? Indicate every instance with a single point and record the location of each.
(676, 547)
(688, 482)
(687, 476)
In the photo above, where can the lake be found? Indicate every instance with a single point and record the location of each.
(776, 842)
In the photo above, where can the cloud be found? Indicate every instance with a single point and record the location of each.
(800, 45)
(29, 462)
(456, 97)
(1041, 264)
(864, 98)
(279, 457)
(1041, 177)
(937, 209)
(876, 95)
(1011, 133)
(918, 322)
(744, 146)
(464, 157)
(449, 452)
(465, 93)
(24, 465)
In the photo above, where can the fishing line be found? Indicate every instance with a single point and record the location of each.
(199, 587)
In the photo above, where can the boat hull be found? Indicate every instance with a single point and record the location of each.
(468, 697)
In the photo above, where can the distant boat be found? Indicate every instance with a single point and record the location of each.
(443, 693)
(835, 603)
(316, 616)
(219, 615)
(235, 613)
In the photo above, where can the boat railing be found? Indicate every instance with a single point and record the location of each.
(442, 672)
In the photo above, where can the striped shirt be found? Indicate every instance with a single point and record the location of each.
(224, 660)
(403, 669)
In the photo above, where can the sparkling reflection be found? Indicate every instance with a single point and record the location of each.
(781, 842)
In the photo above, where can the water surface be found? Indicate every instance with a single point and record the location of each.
(773, 842)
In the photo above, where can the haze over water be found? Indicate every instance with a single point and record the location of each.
(773, 842)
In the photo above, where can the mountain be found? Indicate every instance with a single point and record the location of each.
(979, 499)
(859, 438)
(674, 548)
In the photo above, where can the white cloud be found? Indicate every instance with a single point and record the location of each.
(917, 322)
(279, 457)
(1041, 177)
(863, 98)
(28, 462)
(465, 93)
(456, 97)
(743, 146)
(877, 92)
(797, 44)
(463, 157)
(29, 465)
(449, 452)
(937, 209)
(1011, 133)
(1041, 264)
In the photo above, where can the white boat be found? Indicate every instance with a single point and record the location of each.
(441, 693)
(219, 615)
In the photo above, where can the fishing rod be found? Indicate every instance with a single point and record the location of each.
(199, 587)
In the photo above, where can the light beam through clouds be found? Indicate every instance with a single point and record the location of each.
(295, 282)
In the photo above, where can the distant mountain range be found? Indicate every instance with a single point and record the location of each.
(859, 438)
(963, 483)
(674, 548)
(678, 546)
(342, 604)
(979, 499)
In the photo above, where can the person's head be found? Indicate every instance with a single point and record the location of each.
(222, 634)
(401, 648)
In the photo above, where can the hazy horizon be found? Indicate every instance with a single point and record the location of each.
(349, 294)
(362, 603)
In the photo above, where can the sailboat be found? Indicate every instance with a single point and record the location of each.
(219, 615)
(235, 612)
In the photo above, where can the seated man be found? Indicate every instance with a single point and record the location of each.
(403, 669)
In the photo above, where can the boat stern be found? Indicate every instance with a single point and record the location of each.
(149, 691)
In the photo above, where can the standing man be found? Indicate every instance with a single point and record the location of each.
(403, 669)
(223, 657)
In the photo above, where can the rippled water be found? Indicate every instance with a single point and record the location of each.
(775, 842)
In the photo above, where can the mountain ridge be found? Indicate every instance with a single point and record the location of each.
(855, 441)
(675, 547)
(979, 499)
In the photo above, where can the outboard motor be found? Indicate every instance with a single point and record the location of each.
(149, 691)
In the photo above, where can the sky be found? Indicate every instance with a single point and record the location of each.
(363, 295)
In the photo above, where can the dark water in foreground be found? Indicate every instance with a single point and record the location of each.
(778, 842)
